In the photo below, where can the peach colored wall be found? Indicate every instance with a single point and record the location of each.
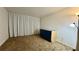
(3, 25)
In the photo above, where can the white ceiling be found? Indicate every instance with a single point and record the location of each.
(35, 11)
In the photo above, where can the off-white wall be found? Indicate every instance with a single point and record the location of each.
(60, 23)
(3, 25)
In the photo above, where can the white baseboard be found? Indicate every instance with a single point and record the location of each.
(3, 41)
(64, 43)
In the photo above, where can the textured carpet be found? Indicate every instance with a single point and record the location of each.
(32, 43)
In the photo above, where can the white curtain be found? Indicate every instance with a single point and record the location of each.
(20, 25)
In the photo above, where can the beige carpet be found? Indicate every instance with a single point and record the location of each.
(32, 43)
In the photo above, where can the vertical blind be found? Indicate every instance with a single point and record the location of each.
(20, 25)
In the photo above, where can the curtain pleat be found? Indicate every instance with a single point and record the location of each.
(10, 25)
(15, 25)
